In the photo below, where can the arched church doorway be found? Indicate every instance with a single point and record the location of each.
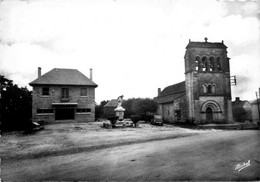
(209, 114)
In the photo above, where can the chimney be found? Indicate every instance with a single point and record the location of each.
(237, 99)
(39, 72)
(159, 91)
(90, 74)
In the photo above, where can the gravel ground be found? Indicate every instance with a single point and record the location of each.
(61, 139)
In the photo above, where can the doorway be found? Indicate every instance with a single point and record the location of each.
(209, 114)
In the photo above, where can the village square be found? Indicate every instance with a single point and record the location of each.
(64, 104)
(161, 103)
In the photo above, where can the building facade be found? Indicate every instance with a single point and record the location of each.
(242, 110)
(172, 103)
(207, 84)
(63, 95)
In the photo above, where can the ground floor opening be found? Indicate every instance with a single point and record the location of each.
(209, 114)
(64, 114)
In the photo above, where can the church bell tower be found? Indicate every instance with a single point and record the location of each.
(207, 82)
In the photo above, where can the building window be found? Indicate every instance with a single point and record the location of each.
(204, 64)
(204, 88)
(44, 111)
(219, 67)
(65, 93)
(197, 63)
(46, 91)
(211, 64)
(83, 110)
(208, 88)
(83, 92)
(213, 88)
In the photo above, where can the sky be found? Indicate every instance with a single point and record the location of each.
(133, 46)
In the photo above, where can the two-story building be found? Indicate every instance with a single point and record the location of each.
(63, 94)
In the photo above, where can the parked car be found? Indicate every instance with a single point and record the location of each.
(33, 127)
(157, 120)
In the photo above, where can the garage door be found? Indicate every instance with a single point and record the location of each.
(64, 114)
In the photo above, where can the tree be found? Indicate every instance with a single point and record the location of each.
(141, 106)
(241, 114)
(145, 106)
(99, 110)
(16, 105)
(129, 107)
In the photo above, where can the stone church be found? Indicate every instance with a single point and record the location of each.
(205, 95)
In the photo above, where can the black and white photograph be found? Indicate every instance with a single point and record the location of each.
(130, 90)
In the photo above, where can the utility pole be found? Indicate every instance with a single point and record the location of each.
(0, 104)
(257, 102)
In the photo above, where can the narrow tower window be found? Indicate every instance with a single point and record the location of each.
(204, 64)
(204, 88)
(197, 63)
(209, 89)
(211, 64)
(219, 68)
(213, 88)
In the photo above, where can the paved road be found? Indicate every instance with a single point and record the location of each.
(202, 157)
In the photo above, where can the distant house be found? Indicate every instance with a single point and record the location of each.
(63, 94)
(255, 110)
(242, 110)
(109, 108)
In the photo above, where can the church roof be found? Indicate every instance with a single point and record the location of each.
(60, 76)
(171, 93)
(169, 98)
(206, 45)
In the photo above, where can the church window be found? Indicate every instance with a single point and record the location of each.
(197, 63)
(204, 64)
(213, 88)
(211, 64)
(219, 68)
(209, 89)
(204, 88)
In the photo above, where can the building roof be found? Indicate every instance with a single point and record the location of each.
(169, 98)
(172, 92)
(173, 89)
(240, 103)
(58, 76)
(112, 103)
(206, 45)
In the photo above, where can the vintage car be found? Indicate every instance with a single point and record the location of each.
(157, 120)
(33, 127)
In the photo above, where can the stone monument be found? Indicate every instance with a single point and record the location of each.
(120, 110)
